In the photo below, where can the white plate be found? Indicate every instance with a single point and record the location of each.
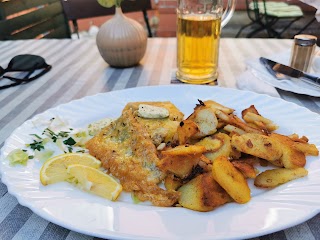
(267, 212)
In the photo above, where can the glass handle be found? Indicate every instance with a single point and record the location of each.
(228, 12)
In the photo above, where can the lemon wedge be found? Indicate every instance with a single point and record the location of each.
(55, 168)
(95, 181)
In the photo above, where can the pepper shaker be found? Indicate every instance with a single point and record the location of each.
(302, 52)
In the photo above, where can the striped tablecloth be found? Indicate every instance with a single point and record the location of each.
(78, 71)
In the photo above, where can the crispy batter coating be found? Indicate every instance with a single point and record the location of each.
(127, 151)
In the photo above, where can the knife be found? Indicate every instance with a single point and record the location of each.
(278, 70)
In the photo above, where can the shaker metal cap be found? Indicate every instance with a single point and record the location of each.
(305, 40)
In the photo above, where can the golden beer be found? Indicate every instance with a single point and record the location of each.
(198, 39)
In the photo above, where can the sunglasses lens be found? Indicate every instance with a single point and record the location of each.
(26, 63)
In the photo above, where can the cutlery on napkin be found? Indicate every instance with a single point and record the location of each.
(258, 79)
(281, 71)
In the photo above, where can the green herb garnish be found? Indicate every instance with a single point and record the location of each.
(70, 141)
(36, 145)
(54, 136)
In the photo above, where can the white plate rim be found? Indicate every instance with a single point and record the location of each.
(308, 206)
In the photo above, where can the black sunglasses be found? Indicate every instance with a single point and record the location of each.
(24, 63)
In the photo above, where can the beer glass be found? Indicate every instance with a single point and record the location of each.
(199, 24)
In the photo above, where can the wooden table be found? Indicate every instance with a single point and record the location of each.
(78, 71)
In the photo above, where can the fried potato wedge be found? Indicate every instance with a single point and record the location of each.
(235, 154)
(260, 146)
(260, 121)
(206, 120)
(302, 144)
(211, 143)
(217, 106)
(186, 130)
(251, 115)
(291, 157)
(233, 129)
(231, 180)
(184, 150)
(251, 109)
(181, 166)
(306, 148)
(295, 137)
(246, 169)
(171, 182)
(237, 122)
(203, 194)
(275, 177)
(181, 160)
(224, 149)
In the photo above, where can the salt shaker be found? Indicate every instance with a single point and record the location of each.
(302, 52)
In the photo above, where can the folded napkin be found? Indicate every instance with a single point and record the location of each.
(248, 81)
(257, 78)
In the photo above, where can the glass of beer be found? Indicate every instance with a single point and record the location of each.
(199, 24)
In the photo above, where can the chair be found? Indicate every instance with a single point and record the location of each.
(32, 19)
(81, 9)
(265, 14)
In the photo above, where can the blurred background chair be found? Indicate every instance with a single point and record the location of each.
(264, 16)
(81, 9)
(32, 19)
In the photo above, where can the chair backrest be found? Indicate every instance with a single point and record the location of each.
(277, 9)
(253, 10)
(80, 9)
(30, 19)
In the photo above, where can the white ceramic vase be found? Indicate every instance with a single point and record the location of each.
(121, 41)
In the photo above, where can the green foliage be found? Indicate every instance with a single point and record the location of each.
(110, 3)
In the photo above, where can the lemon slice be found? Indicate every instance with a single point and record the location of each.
(55, 168)
(95, 181)
(107, 3)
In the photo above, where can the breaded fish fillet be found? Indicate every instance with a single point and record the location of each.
(160, 130)
(127, 151)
